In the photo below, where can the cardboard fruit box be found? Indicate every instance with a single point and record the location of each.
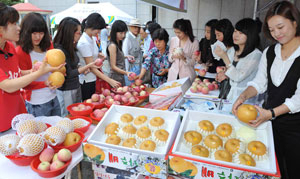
(131, 159)
(198, 164)
(170, 88)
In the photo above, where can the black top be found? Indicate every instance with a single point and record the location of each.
(277, 95)
(72, 76)
(207, 56)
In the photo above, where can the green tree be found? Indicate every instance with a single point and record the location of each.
(11, 2)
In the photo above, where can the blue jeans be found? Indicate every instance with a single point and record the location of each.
(51, 108)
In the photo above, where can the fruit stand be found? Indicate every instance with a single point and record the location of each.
(11, 171)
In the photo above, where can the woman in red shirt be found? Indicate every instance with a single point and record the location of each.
(11, 77)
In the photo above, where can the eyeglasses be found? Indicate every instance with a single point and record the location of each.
(6, 54)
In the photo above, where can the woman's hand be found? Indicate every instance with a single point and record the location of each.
(46, 68)
(218, 51)
(130, 58)
(239, 101)
(163, 71)
(48, 83)
(264, 115)
(221, 76)
(101, 55)
(114, 83)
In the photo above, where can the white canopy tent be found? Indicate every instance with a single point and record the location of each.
(109, 12)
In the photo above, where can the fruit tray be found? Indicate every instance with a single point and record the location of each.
(211, 95)
(263, 133)
(172, 123)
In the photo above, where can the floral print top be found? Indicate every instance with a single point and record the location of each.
(155, 62)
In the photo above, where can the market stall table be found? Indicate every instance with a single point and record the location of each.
(9, 170)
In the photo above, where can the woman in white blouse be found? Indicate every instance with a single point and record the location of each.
(278, 75)
(242, 60)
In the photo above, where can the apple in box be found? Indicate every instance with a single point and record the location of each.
(205, 90)
(127, 95)
(112, 95)
(137, 89)
(211, 86)
(56, 165)
(143, 93)
(199, 88)
(125, 89)
(117, 97)
(44, 166)
(95, 98)
(134, 93)
(108, 97)
(124, 99)
(106, 92)
(99, 62)
(98, 113)
(194, 89)
(110, 101)
(143, 87)
(132, 99)
(64, 155)
(120, 90)
(47, 155)
(117, 102)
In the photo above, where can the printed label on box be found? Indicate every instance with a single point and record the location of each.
(190, 169)
(137, 163)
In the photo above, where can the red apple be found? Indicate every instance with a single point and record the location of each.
(246, 113)
(120, 90)
(99, 62)
(199, 88)
(117, 102)
(125, 89)
(108, 97)
(197, 80)
(95, 97)
(197, 53)
(205, 90)
(124, 99)
(132, 76)
(106, 92)
(143, 93)
(117, 97)
(137, 89)
(132, 99)
(134, 93)
(211, 86)
(194, 89)
(89, 101)
(206, 81)
(138, 82)
(127, 95)
(110, 101)
(143, 87)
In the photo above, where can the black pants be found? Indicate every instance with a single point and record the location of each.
(87, 89)
(287, 146)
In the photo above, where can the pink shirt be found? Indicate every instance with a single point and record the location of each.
(179, 67)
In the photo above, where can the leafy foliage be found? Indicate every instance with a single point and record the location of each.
(11, 2)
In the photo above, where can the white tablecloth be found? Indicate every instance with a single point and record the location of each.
(9, 170)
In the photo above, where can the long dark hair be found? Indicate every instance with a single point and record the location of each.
(65, 35)
(93, 21)
(226, 27)
(33, 22)
(118, 26)
(250, 28)
(185, 26)
(285, 9)
(8, 14)
(212, 24)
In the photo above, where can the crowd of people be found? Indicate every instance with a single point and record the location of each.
(145, 50)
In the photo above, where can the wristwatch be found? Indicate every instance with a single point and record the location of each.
(273, 114)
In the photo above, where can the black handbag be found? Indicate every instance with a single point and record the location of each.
(224, 88)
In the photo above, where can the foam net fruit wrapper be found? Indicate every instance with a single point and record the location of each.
(28, 126)
(20, 117)
(41, 126)
(54, 135)
(31, 145)
(79, 123)
(66, 124)
(8, 144)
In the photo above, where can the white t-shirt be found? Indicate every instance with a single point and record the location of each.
(87, 47)
(279, 70)
(43, 95)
